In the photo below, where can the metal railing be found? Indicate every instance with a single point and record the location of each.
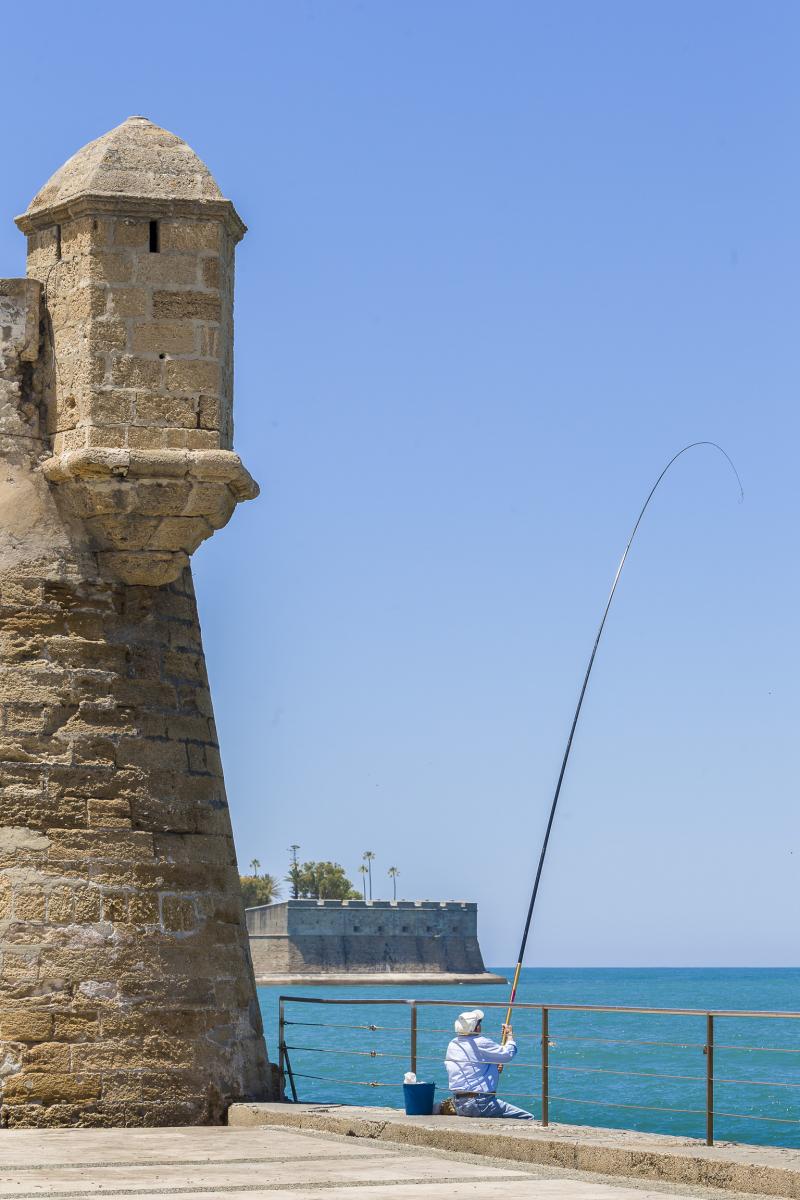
(544, 1064)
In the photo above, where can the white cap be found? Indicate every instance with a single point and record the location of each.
(467, 1022)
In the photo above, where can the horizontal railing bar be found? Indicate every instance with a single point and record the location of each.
(760, 1049)
(751, 1117)
(757, 1082)
(334, 1025)
(616, 1104)
(352, 1082)
(564, 1037)
(611, 1071)
(595, 1008)
(555, 1038)
(388, 1054)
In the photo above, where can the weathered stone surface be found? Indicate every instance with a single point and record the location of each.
(126, 988)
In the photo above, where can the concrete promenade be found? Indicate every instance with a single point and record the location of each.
(638, 1159)
(274, 1162)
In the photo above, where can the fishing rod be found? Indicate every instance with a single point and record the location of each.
(565, 760)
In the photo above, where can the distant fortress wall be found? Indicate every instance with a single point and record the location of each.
(313, 937)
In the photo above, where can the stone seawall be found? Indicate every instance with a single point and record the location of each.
(314, 938)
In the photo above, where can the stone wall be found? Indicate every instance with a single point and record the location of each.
(308, 937)
(141, 338)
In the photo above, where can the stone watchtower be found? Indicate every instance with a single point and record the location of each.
(126, 988)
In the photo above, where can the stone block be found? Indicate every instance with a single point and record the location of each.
(107, 406)
(61, 906)
(190, 235)
(109, 814)
(115, 907)
(192, 439)
(153, 409)
(164, 337)
(146, 437)
(109, 334)
(88, 905)
(192, 306)
(30, 905)
(152, 752)
(125, 531)
(75, 1027)
(26, 1025)
(47, 1056)
(107, 435)
(211, 272)
(128, 301)
(208, 413)
(130, 371)
(178, 914)
(110, 266)
(144, 909)
(186, 375)
(167, 270)
(130, 231)
(119, 846)
(50, 1088)
(180, 533)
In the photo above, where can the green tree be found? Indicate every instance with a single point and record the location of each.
(259, 889)
(393, 873)
(254, 865)
(363, 871)
(368, 857)
(324, 881)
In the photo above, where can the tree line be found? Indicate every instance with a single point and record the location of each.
(311, 880)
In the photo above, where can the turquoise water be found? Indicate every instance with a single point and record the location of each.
(610, 1069)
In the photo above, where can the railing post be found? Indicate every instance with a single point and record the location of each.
(709, 1053)
(545, 1066)
(283, 1057)
(413, 1066)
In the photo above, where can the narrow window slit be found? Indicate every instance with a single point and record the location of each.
(58, 242)
(154, 239)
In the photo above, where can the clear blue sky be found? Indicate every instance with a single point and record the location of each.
(504, 259)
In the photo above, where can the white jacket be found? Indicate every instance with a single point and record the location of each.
(471, 1063)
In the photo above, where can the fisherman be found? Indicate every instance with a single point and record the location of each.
(472, 1070)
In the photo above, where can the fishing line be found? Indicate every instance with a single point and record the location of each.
(565, 760)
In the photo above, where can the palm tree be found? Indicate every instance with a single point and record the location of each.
(393, 873)
(368, 856)
(294, 870)
(362, 870)
(254, 865)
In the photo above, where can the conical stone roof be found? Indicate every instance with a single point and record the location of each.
(137, 161)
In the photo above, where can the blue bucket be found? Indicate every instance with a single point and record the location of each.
(419, 1099)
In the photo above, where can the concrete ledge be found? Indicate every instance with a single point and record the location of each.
(762, 1170)
(376, 979)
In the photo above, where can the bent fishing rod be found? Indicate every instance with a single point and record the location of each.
(573, 727)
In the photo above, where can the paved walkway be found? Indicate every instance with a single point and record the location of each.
(276, 1163)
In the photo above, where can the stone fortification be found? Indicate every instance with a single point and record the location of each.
(126, 988)
(409, 937)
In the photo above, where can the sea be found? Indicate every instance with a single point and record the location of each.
(614, 1070)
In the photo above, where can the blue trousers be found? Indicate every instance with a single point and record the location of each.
(489, 1106)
